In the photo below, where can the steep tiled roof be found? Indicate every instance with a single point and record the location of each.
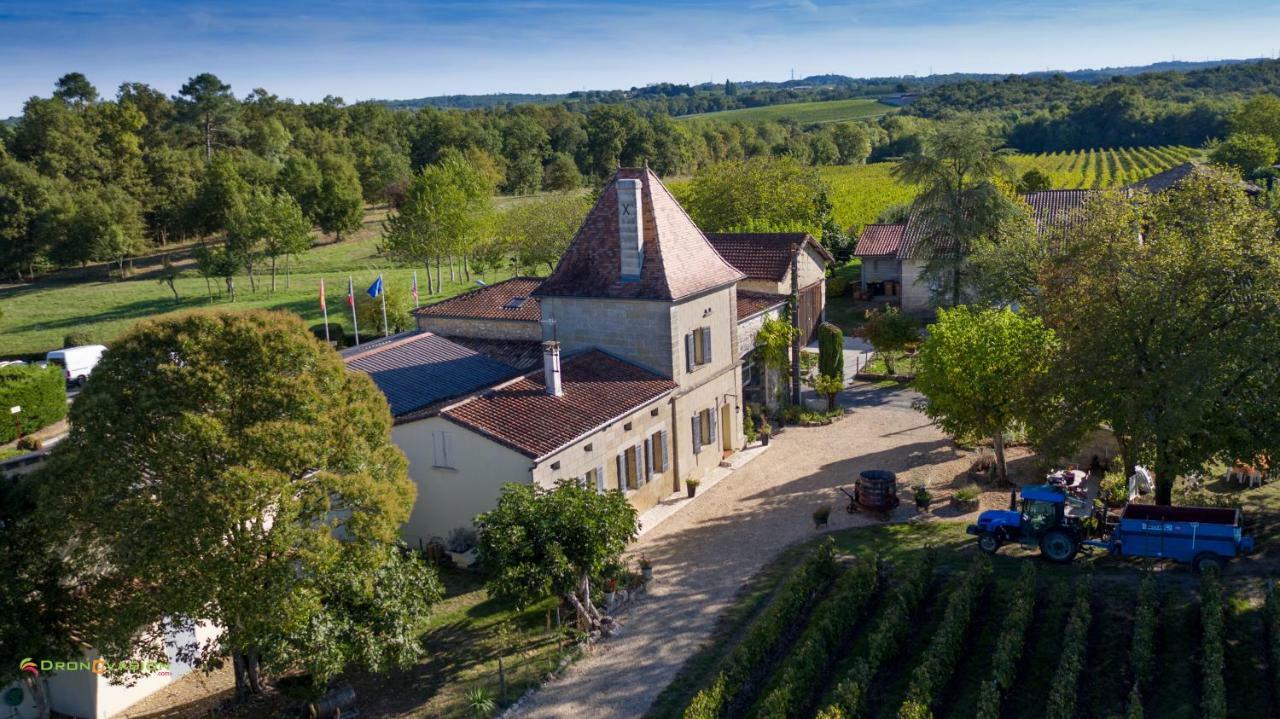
(879, 240)
(913, 245)
(418, 369)
(762, 255)
(678, 260)
(499, 301)
(1057, 208)
(753, 303)
(525, 354)
(598, 388)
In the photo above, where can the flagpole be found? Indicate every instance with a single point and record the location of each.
(386, 331)
(351, 298)
(415, 289)
(324, 307)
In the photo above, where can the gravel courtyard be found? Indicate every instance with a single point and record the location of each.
(705, 553)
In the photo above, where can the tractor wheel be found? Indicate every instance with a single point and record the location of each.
(1058, 545)
(989, 542)
(1207, 562)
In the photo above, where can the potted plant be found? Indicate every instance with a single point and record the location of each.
(766, 431)
(820, 516)
(691, 484)
(646, 568)
(923, 497)
(965, 499)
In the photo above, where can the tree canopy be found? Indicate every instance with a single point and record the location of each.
(244, 478)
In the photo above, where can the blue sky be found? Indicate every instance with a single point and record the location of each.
(401, 49)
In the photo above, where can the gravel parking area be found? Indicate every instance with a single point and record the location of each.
(704, 554)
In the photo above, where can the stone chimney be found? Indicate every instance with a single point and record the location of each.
(630, 228)
(551, 368)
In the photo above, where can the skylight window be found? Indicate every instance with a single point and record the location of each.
(515, 303)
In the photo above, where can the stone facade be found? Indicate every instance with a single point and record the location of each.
(917, 294)
(638, 331)
(481, 328)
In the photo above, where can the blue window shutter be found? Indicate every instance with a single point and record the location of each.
(706, 345)
(697, 434)
(642, 462)
(622, 473)
(650, 464)
(688, 352)
(600, 479)
(666, 451)
(715, 436)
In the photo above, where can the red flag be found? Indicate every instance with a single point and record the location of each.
(322, 305)
(351, 294)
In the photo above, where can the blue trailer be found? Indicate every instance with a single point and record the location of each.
(1203, 536)
(1054, 521)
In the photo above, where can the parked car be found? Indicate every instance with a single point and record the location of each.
(76, 362)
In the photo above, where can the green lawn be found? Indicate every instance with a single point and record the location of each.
(36, 317)
(857, 108)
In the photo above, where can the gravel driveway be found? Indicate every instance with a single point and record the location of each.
(705, 553)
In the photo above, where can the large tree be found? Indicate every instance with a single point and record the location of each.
(447, 210)
(979, 369)
(270, 225)
(961, 206)
(1167, 308)
(540, 230)
(206, 104)
(543, 542)
(242, 477)
(763, 192)
(339, 205)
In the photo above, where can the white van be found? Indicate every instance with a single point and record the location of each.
(76, 362)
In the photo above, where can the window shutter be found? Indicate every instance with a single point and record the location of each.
(622, 472)
(600, 479)
(642, 462)
(666, 451)
(688, 352)
(697, 434)
(715, 436)
(706, 345)
(648, 458)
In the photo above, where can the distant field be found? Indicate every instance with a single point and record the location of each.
(859, 193)
(36, 317)
(804, 112)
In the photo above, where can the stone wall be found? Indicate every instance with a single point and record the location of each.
(638, 331)
(482, 328)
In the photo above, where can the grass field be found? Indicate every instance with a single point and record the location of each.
(858, 108)
(36, 317)
(1181, 678)
(859, 193)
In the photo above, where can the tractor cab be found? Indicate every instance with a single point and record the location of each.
(1047, 517)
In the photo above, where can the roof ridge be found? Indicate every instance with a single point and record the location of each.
(409, 336)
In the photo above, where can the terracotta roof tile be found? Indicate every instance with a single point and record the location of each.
(678, 260)
(499, 301)
(753, 303)
(879, 240)
(418, 369)
(598, 388)
(762, 255)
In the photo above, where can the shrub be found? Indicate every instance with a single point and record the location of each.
(832, 621)
(829, 386)
(749, 426)
(830, 351)
(967, 493)
(30, 444)
(1114, 489)
(78, 338)
(1145, 618)
(336, 333)
(1213, 694)
(938, 661)
(890, 332)
(884, 639)
(765, 636)
(1075, 642)
(40, 391)
(837, 286)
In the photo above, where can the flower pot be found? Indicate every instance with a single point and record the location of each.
(692, 489)
(764, 440)
(647, 573)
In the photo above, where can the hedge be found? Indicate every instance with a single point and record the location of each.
(1010, 643)
(763, 640)
(41, 392)
(1213, 694)
(336, 333)
(1075, 642)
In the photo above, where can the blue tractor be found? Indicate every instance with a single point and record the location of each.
(1048, 518)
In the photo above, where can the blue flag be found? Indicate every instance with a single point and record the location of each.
(375, 289)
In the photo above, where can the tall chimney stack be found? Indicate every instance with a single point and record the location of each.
(551, 368)
(630, 228)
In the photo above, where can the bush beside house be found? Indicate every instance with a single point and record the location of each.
(40, 391)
